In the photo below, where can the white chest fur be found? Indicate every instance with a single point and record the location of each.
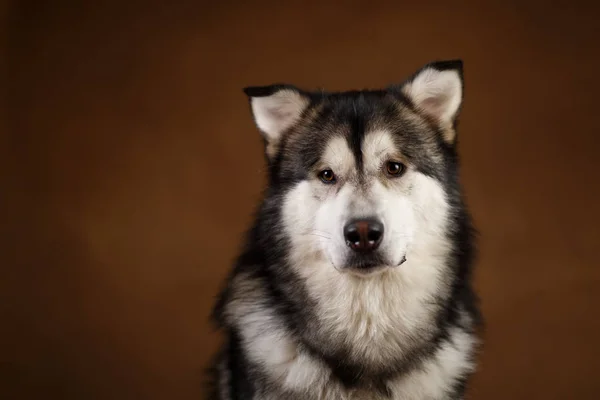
(301, 374)
(268, 344)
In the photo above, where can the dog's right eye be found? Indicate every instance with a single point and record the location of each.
(327, 176)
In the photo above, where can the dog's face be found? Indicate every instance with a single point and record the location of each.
(362, 176)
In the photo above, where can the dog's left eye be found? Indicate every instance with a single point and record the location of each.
(327, 176)
(394, 168)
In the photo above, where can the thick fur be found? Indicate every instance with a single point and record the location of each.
(301, 318)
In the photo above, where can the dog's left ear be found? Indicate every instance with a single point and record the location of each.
(276, 108)
(436, 90)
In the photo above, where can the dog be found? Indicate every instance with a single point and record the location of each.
(355, 280)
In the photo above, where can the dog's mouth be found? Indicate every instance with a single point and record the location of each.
(370, 264)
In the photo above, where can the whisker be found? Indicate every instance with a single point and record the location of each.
(397, 234)
(321, 232)
(321, 236)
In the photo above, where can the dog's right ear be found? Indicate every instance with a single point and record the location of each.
(436, 90)
(276, 108)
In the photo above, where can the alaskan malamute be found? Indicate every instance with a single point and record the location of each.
(355, 280)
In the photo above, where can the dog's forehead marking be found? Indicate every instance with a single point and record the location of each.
(338, 156)
(378, 145)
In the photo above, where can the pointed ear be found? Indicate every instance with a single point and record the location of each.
(436, 90)
(276, 108)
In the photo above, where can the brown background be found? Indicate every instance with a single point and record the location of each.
(132, 166)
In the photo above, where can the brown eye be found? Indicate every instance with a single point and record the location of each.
(394, 168)
(327, 176)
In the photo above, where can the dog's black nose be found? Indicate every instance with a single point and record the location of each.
(363, 235)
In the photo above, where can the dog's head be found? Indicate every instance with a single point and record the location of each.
(363, 177)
